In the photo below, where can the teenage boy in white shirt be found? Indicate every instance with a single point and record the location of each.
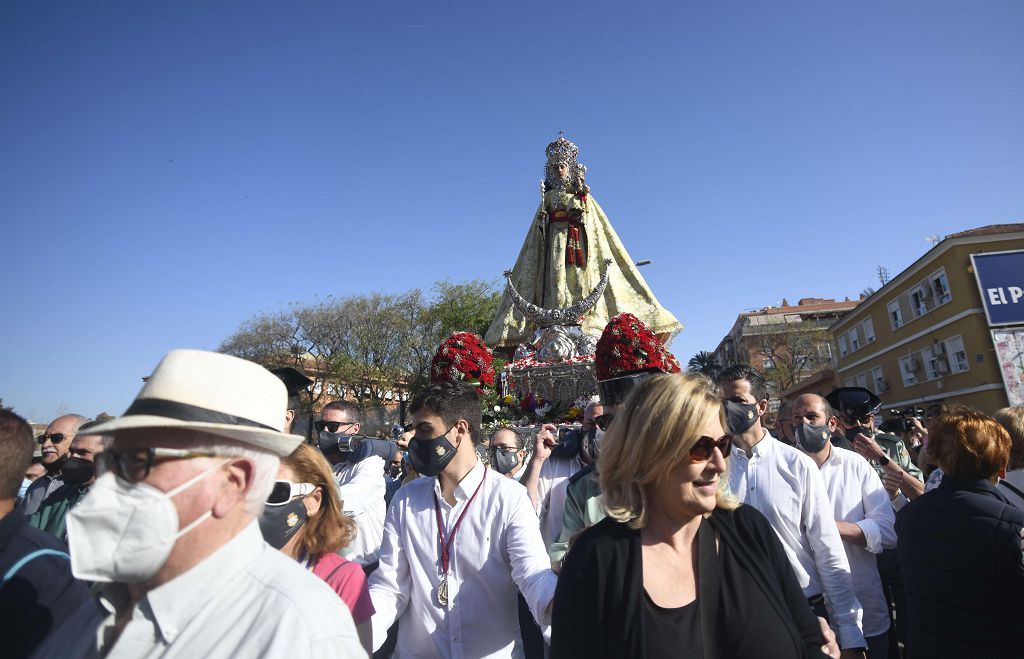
(457, 544)
(861, 509)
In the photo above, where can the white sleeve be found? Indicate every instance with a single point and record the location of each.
(531, 569)
(367, 480)
(879, 523)
(831, 562)
(391, 583)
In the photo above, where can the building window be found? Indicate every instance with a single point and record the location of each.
(940, 285)
(956, 355)
(854, 340)
(862, 380)
(895, 314)
(851, 382)
(842, 345)
(919, 299)
(877, 380)
(908, 370)
(868, 327)
(930, 361)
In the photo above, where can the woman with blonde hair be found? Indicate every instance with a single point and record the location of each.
(678, 568)
(303, 518)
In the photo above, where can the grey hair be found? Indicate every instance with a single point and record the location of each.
(264, 475)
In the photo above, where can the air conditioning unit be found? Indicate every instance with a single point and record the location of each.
(939, 349)
(881, 385)
(912, 366)
(940, 366)
(925, 292)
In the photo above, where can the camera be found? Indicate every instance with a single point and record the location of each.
(563, 431)
(902, 420)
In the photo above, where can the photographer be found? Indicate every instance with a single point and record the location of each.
(558, 453)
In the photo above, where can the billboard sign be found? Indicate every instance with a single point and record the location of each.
(1000, 278)
(1009, 344)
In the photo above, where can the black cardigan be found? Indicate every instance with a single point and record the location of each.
(598, 607)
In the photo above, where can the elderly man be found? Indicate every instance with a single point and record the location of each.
(170, 527)
(38, 590)
(79, 473)
(861, 508)
(55, 443)
(787, 488)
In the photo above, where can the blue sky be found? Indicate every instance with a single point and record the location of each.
(169, 169)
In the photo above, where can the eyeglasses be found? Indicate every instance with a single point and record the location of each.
(134, 464)
(333, 426)
(505, 450)
(56, 438)
(285, 491)
(604, 420)
(704, 447)
(853, 420)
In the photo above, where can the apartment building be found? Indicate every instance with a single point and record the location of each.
(923, 337)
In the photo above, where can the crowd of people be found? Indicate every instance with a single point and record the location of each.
(671, 522)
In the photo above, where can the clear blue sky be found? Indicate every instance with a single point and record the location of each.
(169, 169)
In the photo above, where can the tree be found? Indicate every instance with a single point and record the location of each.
(5, 408)
(704, 362)
(792, 352)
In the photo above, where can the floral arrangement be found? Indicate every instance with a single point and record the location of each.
(530, 410)
(626, 345)
(463, 357)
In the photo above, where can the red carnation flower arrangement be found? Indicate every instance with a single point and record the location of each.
(626, 345)
(463, 357)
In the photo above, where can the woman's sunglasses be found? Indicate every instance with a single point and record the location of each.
(603, 421)
(284, 491)
(704, 447)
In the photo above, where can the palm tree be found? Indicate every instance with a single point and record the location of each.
(704, 362)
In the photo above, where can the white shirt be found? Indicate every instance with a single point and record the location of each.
(362, 489)
(857, 496)
(245, 600)
(550, 497)
(496, 549)
(786, 487)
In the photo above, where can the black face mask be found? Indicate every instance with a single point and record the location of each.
(280, 523)
(57, 465)
(430, 456)
(812, 438)
(392, 471)
(76, 471)
(740, 416)
(334, 443)
(851, 433)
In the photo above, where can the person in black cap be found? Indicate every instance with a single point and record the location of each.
(295, 382)
(856, 408)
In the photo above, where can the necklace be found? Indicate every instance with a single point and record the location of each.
(442, 587)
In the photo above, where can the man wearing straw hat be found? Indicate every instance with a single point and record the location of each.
(169, 528)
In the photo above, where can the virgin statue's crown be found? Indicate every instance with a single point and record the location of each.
(562, 150)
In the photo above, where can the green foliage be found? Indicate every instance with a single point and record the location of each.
(704, 362)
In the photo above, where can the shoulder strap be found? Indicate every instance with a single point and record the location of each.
(331, 573)
(708, 586)
(28, 557)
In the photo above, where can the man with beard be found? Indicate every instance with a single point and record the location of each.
(55, 443)
(78, 473)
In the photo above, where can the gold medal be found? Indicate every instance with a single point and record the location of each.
(442, 592)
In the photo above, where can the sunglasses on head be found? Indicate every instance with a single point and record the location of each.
(704, 447)
(56, 438)
(332, 426)
(285, 491)
(604, 420)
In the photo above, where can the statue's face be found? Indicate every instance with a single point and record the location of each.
(562, 169)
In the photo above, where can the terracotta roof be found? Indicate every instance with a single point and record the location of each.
(823, 305)
(988, 230)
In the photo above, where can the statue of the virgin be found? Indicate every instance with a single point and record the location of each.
(564, 257)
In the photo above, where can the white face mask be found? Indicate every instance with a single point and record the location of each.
(124, 533)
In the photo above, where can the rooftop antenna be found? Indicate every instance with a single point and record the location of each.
(883, 274)
(933, 239)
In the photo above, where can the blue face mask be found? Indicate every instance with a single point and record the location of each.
(24, 488)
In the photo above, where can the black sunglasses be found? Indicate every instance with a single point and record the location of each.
(604, 420)
(134, 464)
(56, 438)
(704, 447)
(332, 426)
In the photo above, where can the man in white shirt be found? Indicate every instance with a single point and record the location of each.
(787, 488)
(170, 528)
(458, 543)
(862, 512)
(554, 462)
(361, 483)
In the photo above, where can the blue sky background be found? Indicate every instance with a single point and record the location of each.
(169, 169)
